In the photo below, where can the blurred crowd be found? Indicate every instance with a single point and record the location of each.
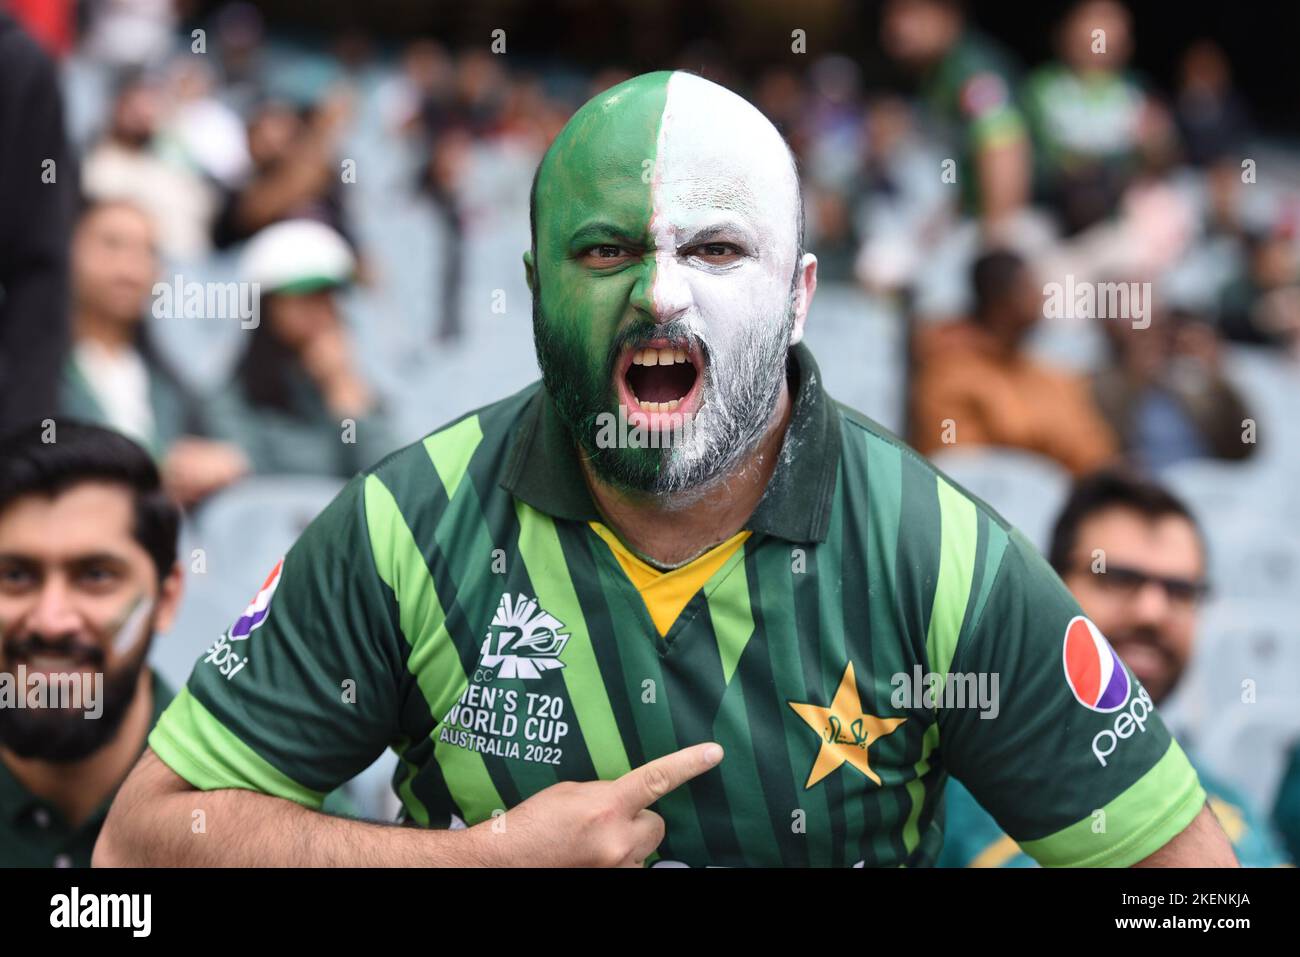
(954, 201)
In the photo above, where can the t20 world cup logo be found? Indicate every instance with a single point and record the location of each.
(522, 642)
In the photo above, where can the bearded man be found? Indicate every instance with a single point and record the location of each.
(562, 610)
(88, 575)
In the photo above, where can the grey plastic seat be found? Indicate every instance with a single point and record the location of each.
(235, 539)
(1240, 698)
(1025, 488)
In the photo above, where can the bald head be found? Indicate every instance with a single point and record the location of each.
(690, 116)
(667, 219)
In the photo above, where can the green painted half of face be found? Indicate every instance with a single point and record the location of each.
(594, 188)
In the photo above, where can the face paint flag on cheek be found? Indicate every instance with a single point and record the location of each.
(667, 238)
(129, 634)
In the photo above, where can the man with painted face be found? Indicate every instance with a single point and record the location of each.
(588, 648)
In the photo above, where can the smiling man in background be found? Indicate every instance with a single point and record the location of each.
(88, 573)
(574, 632)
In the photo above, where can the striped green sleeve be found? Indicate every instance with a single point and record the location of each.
(199, 748)
(305, 689)
(1126, 831)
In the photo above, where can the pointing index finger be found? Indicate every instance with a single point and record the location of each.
(642, 786)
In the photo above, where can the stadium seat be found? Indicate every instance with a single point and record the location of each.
(201, 351)
(1250, 513)
(1231, 492)
(1256, 641)
(1254, 559)
(241, 533)
(1270, 385)
(856, 339)
(1026, 489)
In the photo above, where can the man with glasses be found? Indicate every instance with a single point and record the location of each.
(1134, 558)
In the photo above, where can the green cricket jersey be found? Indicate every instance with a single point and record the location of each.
(454, 603)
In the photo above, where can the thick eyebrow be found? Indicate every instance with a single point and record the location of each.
(27, 562)
(99, 558)
(600, 233)
(726, 230)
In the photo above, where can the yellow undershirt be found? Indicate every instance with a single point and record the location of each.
(666, 593)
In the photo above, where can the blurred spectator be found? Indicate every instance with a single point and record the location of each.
(833, 123)
(205, 133)
(89, 571)
(299, 404)
(1164, 394)
(1134, 558)
(115, 376)
(780, 94)
(453, 116)
(1091, 120)
(906, 210)
(832, 134)
(126, 164)
(966, 84)
(295, 170)
(129, 34)
(90, 577)
(239, 35)
(425, 76)
(1262, 306)
(977, 375)
(1211, 116)
(36, 203)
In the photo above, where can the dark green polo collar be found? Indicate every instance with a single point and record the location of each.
(542, 467)
(33, 832)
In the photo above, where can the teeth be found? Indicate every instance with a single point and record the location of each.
(659, 357)
(660, 406)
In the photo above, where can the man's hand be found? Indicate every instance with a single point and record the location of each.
(594, 823)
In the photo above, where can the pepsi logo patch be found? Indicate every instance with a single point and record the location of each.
(1092, 669)
(255, 614)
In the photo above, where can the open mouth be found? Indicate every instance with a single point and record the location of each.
(659, 383)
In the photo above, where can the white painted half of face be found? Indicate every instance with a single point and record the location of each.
(723, 172)
(724, 175)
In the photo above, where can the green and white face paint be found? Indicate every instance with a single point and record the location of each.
(667, 221)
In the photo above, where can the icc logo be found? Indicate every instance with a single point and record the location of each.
(522, 642)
